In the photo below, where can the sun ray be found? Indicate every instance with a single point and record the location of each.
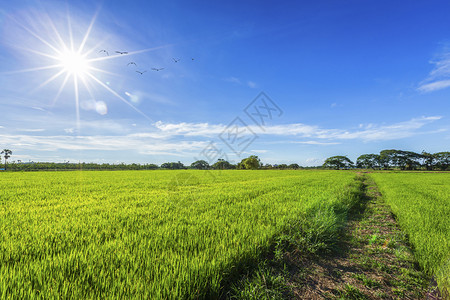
(129, 53)
(77, 103)
(56, 32)
(33, 69)
(120, 97)
(103, 71)
(38, 37)
(96, 47)
(48, 80)
(69, 24)
(88, 32)
(71, 53)
(36, 52)
(60, 89)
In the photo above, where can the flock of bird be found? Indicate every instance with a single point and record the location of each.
(133, 63)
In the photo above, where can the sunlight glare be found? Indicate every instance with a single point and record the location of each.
(74, 63)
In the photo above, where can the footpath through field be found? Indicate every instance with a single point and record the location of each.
(373, 260)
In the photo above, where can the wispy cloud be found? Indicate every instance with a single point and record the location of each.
(260, 151)
(102, 143)
(439, 77)
(32, 130)
(434, 86)
(371, 132)
(251, 84)
(313, 161)
(316, 143)
(233, 80)
(188, 139)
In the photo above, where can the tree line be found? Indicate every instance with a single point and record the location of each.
(251, 162)
(387, 159)
(393, 159)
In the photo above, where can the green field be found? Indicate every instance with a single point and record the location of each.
(186, 234)
(155, 234)
(421, 202)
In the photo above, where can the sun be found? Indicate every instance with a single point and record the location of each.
(72, 59)
(74, 63)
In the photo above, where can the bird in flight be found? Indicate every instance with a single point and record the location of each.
(141, 72)
(157, 69)
(121, 52)
(176, 60)
(104, 51)
(192, 58)
(132, 63)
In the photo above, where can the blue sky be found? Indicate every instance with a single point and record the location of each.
(339, 78)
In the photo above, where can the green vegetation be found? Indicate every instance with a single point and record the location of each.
(207, 234)
(164, 234)
(392, 159)
(421, 202)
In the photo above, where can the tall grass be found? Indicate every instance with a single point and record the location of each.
(421, 202)
(131, 234)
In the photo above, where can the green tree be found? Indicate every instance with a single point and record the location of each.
(250, 163)
(338, 162)
(294, 166)
(442, 160)
(6, 154)
(369, 161)
(173, 165)
(405, 160)
(200, 165)
(428, 160)
(222, 164)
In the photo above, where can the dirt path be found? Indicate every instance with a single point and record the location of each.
(373, 261)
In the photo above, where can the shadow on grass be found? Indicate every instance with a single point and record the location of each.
(320, 232)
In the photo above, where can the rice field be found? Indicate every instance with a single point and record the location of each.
(421, 202)
(149, 234)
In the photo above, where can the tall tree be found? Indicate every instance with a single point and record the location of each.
(338, 162)
(222, 164)
(428, 160)
(250, 163)
(6, 154)
(173, 165)
(294, 166)
(369, 161)
(200, 165)
(442, 160)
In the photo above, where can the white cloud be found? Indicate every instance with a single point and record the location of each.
(316, 143)
(313, 161)
(233, 80)
(260, 151)
(103, 143)
(251, 84)
(190, 129)
(370, 132)
(32, 130)
(38, 108)
(165, 138)
(438, 77)
(434, 86)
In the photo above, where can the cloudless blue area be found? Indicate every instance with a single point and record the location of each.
(364, 75)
